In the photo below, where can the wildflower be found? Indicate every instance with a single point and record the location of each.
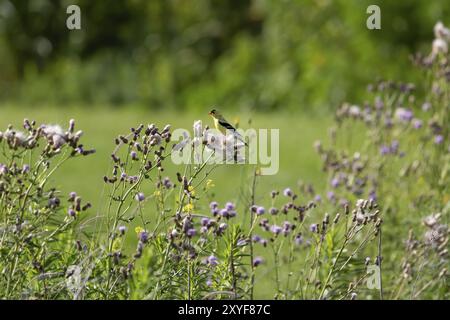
(205, 222)
(334, 182)
(287, 192)
(260, 211)
(318, 198)
(331, 196)
(256, 238)
(72, 213)
(314, 228)
(213, 205)
(191, 232)
(224, 213)
(276, 230)
(230, 206)
(257, 261)
(417, 123)
(438, 139)
(354, 111)
(273, 194)
(212, 261)
(298, 239)
(394, 146)
(140, 197)
(133, 155)
(188, 207)
(403, 114)
(273, 211)
(143, 236)
(263, 242)
(209, 283)
(384, 150)
(440, 31)
(439, 46)
(25, 169)
(122, 229)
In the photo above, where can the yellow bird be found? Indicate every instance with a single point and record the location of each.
(223, 125)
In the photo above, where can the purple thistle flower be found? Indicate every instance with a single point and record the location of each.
(335, 182)
(256, 238)
(260, 211)
(25, 169)
(276, 230)
(72, 195)
(331, 195)
(223, 213)
(417, 123)
(205, 222)
(318, 198)
(394, 146)
(229, 206)
(298, 239)
(209, 283)
(191, 232)
(288, 192)
(314, 227)
(213, 205)
(72, 213)
(143, 236)
(273, 211)
(384, 150)
(140, 197)
(133, 155)
(257, 261)
(438, 139)
(122, 229)
(212, 261)
(404, 114)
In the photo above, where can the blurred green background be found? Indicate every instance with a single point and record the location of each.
(244, 55)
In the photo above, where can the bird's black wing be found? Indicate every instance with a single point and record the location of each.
(227, 125)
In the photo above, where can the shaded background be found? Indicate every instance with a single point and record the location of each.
(248, 55)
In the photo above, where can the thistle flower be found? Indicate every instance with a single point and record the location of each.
(417, 123)
(314, 228)
(256, 238)
(276, 230)
(273, 211)
(122, 229)
(438, 139)
(403, 114)
(257, 261)
(143, 236)
(229, 206)
(213, 205)
(260, 211)
(191, 233)
(288, 192)
(212, 261)
(140, 197)
(72, 213)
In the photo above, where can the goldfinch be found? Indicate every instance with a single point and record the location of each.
(223, 125)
